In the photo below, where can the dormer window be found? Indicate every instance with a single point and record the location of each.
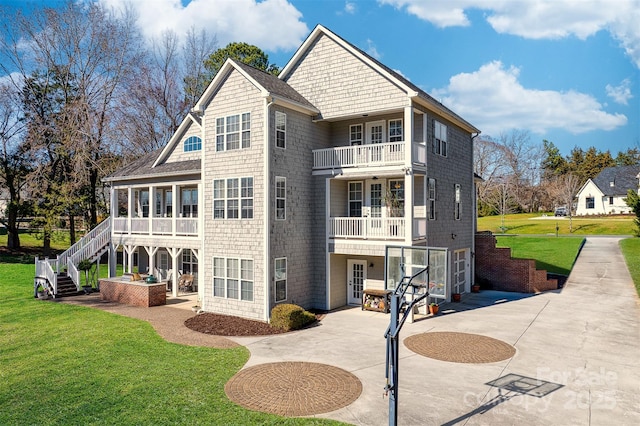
(192, 143)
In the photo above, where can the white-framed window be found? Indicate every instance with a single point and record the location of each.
(590, 203)
(281, 198)
(432, 199)
(189, 262)
(190, 202)
(233, 198)
(280, 277)
(439, 145)
(233, 132)
(456, 209)
(142, 203)
(281, 130)
(395, 130)
(233, 278)
(192, 143)
(355, 134)
(355, 199)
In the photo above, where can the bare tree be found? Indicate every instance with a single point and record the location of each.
(14, 162)
(563, 190)
(96, 48)
(160, 93)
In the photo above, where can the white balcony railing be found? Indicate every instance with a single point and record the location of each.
(161, 225)
(367, 227)
(155, 226)
(381, 154)
(187, 226)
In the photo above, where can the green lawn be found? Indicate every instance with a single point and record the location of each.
(631, 251)
(556, 255)
(530, 223)
(63, 364)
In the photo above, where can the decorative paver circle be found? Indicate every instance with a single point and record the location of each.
(293, 388)
(459, 347)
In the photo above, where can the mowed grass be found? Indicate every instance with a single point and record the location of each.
(536, 223)
(631, 251)
(71, 365)
(556, 255)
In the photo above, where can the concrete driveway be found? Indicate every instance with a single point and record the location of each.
(576, 360)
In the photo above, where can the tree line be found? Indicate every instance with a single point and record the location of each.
(519, 175)
(84, 92)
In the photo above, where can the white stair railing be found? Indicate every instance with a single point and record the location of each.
(86, 248)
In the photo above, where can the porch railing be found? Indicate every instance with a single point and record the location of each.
(380, 154)
(157, 226)
(91, 244)
(367, 227)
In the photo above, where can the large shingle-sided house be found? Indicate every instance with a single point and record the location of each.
(289, 188)
(605, 193)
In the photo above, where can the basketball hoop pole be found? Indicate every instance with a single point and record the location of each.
(393, 336)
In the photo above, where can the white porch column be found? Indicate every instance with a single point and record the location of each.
(174, 208)
(151, 251)
(152, 207)
(408, 175)
(174, 253)
(129, 209)
(113, 259)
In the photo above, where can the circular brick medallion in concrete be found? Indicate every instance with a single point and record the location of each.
(293, 388)
(459, 347)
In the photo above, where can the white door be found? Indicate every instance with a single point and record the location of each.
(460, 270)
(356, 277)
(375, 135)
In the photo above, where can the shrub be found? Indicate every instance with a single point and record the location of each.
(287, 316)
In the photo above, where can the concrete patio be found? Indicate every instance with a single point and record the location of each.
(575, 362)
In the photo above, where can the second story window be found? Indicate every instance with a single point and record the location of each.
(281, 130)
(233, 132)
(189, 203)
(456, 210)
(233, 198)
(192, 143)
(355, 134)
(432, 199)
(439, 145)
(395, 131)
(281, 198)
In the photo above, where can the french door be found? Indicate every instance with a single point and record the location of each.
(356, 278)
(460, 270)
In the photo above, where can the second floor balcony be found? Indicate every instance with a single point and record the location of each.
(368, 155)
(156, 226)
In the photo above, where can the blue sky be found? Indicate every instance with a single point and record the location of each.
(567, 71)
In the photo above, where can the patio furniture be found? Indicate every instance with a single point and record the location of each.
(185, 283)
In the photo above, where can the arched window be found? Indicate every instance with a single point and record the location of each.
(192, 143)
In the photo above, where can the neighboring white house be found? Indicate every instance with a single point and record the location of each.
(289, 188)
(605, 193)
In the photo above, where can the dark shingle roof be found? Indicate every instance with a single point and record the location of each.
(623, 177)
(141, 168)
(274, 85)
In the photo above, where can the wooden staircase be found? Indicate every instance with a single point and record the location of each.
(61, 275)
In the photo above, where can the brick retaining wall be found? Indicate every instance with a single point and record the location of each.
(134, 293)
(495, 266)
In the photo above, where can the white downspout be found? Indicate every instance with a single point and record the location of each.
(267, 208)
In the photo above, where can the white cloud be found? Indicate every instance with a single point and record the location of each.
(372, 50)
(270, 24)
(494, 100)
(350, 7)
(539, 19)
(621, 93)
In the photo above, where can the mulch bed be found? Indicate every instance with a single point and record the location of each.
(226, 325)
